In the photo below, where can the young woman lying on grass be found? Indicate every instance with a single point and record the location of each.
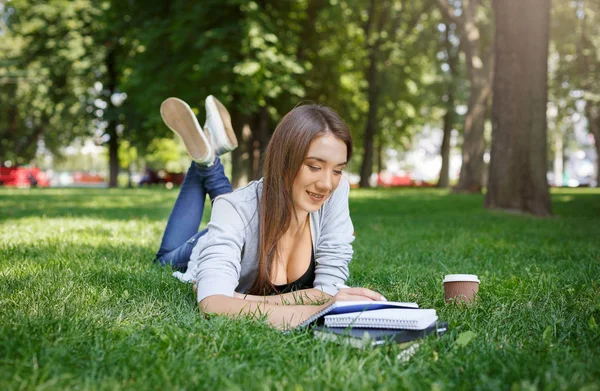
(278, 246)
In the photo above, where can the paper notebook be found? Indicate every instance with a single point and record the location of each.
(345, 307)
(387, 318)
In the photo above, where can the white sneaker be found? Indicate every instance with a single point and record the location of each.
(180, 118)
(218, 124)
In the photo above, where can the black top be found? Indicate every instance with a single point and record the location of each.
(306, 281)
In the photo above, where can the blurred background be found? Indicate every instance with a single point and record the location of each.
(81, 82)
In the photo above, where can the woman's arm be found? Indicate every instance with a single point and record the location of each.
(314, 296)
(300, 297)
(281, 316)
(333, 247)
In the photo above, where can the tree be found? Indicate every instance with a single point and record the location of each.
(451, 57)
(236, 50)
(473, 31)
(576, 81)
(386, 28)
(589, 64)
(43, 75)
(518, 162)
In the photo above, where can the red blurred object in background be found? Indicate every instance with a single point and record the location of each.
(391, 180)
(386, 179)
(23, 177)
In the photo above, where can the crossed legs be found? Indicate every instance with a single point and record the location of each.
(205, 175)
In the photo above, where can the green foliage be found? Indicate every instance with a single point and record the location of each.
(83, 307)
(250, 54)
(44, 72)
(255, 56)
(165, 153)
(127, 154)
(575, 48)
(574, 70)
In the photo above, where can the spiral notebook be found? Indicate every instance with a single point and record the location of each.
(388, 318)
(356, 307)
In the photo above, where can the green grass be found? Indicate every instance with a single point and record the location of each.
(83, 307)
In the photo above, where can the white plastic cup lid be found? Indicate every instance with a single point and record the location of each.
(460, 278)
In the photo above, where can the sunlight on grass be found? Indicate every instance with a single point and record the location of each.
(425, 193)
(595, 191)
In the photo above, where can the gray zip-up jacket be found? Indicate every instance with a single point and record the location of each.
(225, 259)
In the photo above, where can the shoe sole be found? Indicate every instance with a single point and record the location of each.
(180, 118)
(225, 136)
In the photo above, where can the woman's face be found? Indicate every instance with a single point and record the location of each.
(320, 173)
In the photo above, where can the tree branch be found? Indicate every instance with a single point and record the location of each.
(369, 21)
(469, 8)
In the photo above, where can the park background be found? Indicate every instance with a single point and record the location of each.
(495, 103)
(81, 83)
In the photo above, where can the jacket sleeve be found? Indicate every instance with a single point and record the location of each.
(216, 259)
(334, 246)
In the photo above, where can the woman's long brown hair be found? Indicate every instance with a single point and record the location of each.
(284, 157)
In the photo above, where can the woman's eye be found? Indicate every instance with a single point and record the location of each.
(314, 168)
(337, 172)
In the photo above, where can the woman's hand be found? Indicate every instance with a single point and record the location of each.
(348, 294)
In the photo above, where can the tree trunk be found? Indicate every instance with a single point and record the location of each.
(11, 113)
(592, 112)
(379, 154)
(519, 146)
(129, 174)
(240, 169)
(558, 158)
(451, 52)
(113, 154)
(313, 7)
(444, 180)
(252, 146)
(113, 142)
(597, 143)
(479, 70)
(471, 171)
(260, 139)
(26, 147)
(366, 168)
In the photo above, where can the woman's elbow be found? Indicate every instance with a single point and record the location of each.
(214, 303)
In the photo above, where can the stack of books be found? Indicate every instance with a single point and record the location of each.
(371, 323)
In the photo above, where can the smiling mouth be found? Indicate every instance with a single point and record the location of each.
(316, 196)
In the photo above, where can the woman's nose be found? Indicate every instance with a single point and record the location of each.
(325, 183)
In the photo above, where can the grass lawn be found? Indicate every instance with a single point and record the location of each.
(83, 307)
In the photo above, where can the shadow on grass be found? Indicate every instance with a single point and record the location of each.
(430, 201)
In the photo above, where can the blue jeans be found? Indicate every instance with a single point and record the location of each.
(181, 233)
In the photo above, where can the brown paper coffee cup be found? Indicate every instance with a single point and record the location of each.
(460, 287)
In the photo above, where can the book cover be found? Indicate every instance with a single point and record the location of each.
(363, 337)
(345, 307)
